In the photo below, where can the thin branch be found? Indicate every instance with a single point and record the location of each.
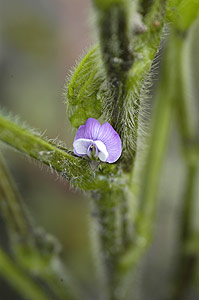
(11, 205)
(74, 169)
(114, 32)
(19, 280)
(146, 44)
(25, 245)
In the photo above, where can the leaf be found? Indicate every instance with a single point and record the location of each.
(83, 89)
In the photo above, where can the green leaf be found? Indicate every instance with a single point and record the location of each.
(83, 89)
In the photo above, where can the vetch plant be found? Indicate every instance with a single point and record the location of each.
(114, 83)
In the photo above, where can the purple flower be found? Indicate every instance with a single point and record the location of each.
(98, 141)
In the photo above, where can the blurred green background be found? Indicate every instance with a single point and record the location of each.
(40, 40)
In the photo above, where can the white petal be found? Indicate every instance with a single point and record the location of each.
(81, 145)
(103, 154)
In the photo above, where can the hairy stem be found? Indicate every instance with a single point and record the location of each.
(107, 212)
(125, 84)
(165, 97)
(114, 34)
(114, 42)
(12, 206)
(114, 233)
(72, 168)
(146, 45)
(116, 52)
(24, 244)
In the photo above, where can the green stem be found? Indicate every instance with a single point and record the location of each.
(159, 137)
(165, 97)
(72, 168)
(19, 280)
(60, 284)
(11, 204)
(116, 53)
(126, 86)
(114, 34)
(123, 86)
(187, 260)
(126, 221)
(113, 233)
(145, 46)
(188, 202)
(23, 243)
(107, 209)
(145, 6)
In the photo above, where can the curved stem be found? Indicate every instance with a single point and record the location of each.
(24, 245)
(145, 46)
(11, 205)
(72, 168)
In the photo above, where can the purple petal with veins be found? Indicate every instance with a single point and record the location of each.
(112, 142)
(80, 132)
(89, 131)
(104, 138)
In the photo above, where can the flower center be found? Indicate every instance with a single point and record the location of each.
(92, 151)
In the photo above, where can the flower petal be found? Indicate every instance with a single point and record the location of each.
(104, 137)
(92, 128)
(112, 141)
(81, 146)
(103, 153)
(89, 130)
(80, 133)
